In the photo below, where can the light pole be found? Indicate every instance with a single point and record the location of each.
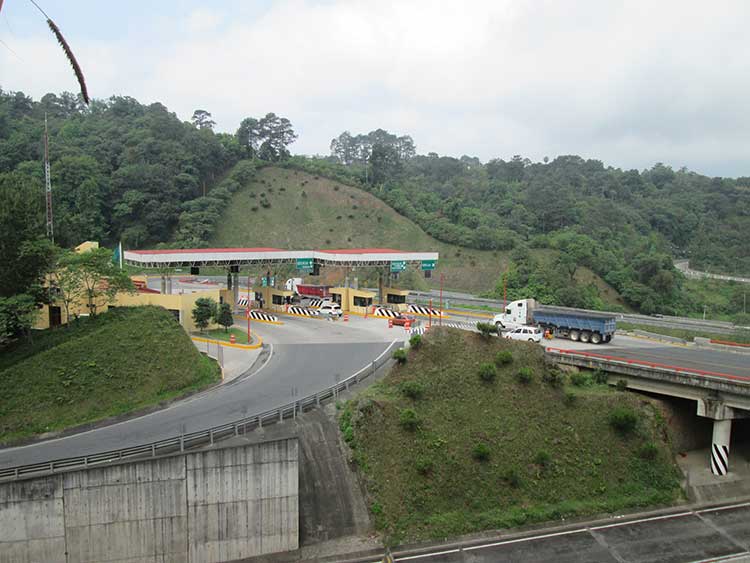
(441, 299)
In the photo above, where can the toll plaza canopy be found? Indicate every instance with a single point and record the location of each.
(238, 257)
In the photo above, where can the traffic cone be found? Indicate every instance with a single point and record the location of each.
(390, 322)
(346, 317)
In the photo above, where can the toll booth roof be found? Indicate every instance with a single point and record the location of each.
(394, 291)
(357, 292)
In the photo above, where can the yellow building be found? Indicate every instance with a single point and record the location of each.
(353, 300)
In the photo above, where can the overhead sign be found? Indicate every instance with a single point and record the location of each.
(398, 265)
(264, 281)
(304, 263)
(428, 265)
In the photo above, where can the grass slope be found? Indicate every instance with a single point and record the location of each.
(119, 361)
(305, 211)
(549, 456)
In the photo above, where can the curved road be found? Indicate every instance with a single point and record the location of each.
(307, 356)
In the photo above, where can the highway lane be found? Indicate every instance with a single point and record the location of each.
(308, 355)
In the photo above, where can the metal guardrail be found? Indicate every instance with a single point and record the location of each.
(200, 437)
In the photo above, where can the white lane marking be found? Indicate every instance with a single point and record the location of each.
(728, 507)
(530, 538)
(641, 520)
(739, 556)
(435, 554)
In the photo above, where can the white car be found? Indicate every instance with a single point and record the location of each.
(527, 333)
(330, 309)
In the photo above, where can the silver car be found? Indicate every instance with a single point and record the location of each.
(527, 333)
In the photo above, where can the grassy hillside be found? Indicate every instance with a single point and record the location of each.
(291, 209)
(483, 455)
(122, 360)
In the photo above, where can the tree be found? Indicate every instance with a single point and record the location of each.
(17, 314)
(202, 119)
(203, 312)
(98, 278)
(224, 316)
(65, 285)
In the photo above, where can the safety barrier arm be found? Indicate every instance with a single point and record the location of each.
(200, 437)
(644, 363)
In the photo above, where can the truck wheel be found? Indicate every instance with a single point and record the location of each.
(575, 335)
(596, 338)
(585, 336)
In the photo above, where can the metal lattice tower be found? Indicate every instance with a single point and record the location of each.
(48, 183)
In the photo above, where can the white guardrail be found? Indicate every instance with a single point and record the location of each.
(201, 437)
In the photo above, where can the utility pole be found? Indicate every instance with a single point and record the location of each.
(48, 183)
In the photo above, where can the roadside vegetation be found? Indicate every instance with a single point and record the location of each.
(117, 362)
(471, 433)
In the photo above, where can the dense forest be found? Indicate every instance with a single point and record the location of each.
(126, 171)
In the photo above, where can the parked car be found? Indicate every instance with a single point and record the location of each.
(529, 333)
(330, 309)
(400, 319)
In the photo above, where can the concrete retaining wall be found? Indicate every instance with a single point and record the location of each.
(212, 505)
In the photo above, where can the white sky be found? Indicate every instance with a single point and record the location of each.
(630, 83)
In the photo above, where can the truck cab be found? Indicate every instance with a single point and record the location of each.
(516, 314)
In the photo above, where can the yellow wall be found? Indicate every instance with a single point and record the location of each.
(346, 297)
(268, 293)
(395, 306)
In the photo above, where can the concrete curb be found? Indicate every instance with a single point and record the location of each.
(255, 346)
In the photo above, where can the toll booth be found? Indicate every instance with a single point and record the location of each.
(272, 299)
(353, 300)
(395, 298)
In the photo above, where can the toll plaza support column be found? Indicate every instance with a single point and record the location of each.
(380, 287)
(163, 284)
(235, 288)
(720, 447)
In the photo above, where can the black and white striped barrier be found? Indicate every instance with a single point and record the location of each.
(302, 311)
(261, 316)
(315, 303)
(422, 310)
(384, 312)
(418, 330)
(243, 302)
(719, 459)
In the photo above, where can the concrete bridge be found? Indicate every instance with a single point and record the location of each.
(721, 397)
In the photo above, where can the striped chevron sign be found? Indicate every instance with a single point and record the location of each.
(261, 316)
(423, 310)
(384, 312)
(315, 302)
(243, 302)
(294, 310)
(719, 459)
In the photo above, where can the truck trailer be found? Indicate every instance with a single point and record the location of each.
(576, 324)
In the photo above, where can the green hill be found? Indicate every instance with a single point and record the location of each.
(114, 363)
(292, 209)
(443, 452)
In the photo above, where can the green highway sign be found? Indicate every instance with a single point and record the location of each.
(304, 263)
(398, 265)
(264, 281)
(428, 265)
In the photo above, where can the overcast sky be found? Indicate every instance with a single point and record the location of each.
(630, 83)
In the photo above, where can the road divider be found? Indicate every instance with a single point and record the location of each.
(253, 346)
(425, 311)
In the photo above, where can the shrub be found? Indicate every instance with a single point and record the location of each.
(622, 385)
(513, 477)
(487, 372)
(304, 193)
(412, 389)
(525, 375)
(424, 465)
(254, 208)
(600, 377)
(415, 341)
(553, 377)
(400, 356)
(350, 216)
(580, 379)
(481, 452)
(503, 358)
(348, 434)
(338, 217)
(623, 419)
(408, 420)
(486, 329)
(570, 398)
(649, 450)
(543, 459)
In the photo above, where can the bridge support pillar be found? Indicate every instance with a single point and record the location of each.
(720, 447)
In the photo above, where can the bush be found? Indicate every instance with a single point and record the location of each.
(580, 379)
(408, 420)
(553, 377)
(348, 434)
(600, 377)
(415, 341)
(481, 452)
(254, 208)
(649, 450)
(525, 375)
(503, 358)
(623, 419)
(570, 398)
(513, 477)
(486, 329)
(622, 385)
(400, 356)
(412, 389)
(424, 465)
(543, 459)
(487, 372)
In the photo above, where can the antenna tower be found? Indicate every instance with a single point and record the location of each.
(48, 183)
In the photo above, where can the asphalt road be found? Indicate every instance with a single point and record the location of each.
(707, 535)
(307, 356)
